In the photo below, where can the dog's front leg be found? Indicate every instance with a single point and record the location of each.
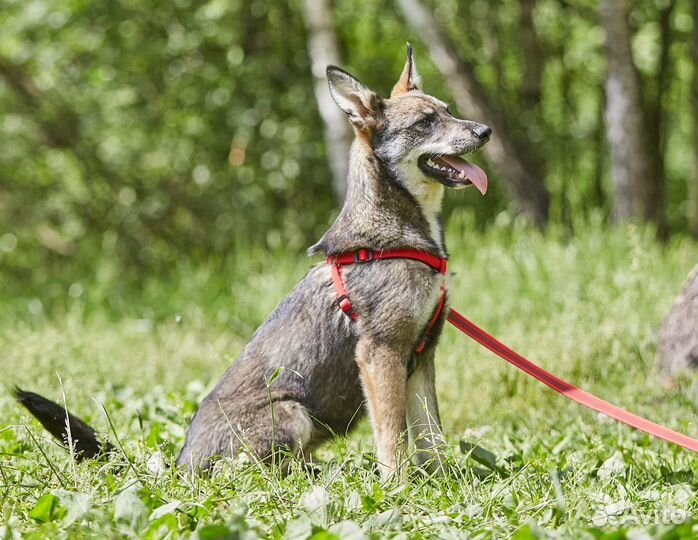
(423, 419)
(383, 374)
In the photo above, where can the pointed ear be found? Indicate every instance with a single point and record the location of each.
(410, 79)
(362, 105)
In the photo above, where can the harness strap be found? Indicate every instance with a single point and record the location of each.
(432, 322)
(342, 296)
(366, 255)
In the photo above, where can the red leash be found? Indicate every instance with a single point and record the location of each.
(566, 389)
(483, 338)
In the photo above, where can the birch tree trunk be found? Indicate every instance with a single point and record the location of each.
(323, 50)
(513, 160)
(533, 56)
(632, 167)
(656, 115)
(693, 189)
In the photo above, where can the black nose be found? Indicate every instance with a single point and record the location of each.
(482, 132)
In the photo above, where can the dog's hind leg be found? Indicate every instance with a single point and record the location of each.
(383, 374)
(213, 433)
(423, 420)
(288, 430)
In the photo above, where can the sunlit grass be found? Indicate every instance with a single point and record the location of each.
(585, 307)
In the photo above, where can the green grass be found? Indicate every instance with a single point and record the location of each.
(135, 363)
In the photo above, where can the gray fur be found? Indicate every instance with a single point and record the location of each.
(333, 369)
(677, 346)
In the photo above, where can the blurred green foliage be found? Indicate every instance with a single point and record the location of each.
(137, 134)
(147, 128)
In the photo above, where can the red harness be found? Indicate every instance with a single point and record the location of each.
(366, 255)
(478, 334)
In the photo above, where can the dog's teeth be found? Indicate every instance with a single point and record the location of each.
(461, 174)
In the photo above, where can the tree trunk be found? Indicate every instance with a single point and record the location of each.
(323, 50)
(693, 190)
(533, 55)
(512, 159)
(656, 113)
(627, 130)
(599, 198)
(677, 349)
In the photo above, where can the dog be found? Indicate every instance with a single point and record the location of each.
(310, 371)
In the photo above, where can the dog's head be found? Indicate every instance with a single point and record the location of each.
(412, 133)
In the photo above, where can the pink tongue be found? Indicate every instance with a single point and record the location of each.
(472, 172)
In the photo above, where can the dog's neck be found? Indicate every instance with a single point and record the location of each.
(379, 213)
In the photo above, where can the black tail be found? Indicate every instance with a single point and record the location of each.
(53, 417)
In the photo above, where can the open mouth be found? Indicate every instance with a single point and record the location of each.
(453, 171)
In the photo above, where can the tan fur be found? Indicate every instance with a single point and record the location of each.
(364, 136)
(384, 378)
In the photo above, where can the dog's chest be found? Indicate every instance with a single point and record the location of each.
(396, 300)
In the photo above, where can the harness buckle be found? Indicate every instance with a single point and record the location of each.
(346, 306)
(363, 255)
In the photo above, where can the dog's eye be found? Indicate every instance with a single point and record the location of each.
(426, 120)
